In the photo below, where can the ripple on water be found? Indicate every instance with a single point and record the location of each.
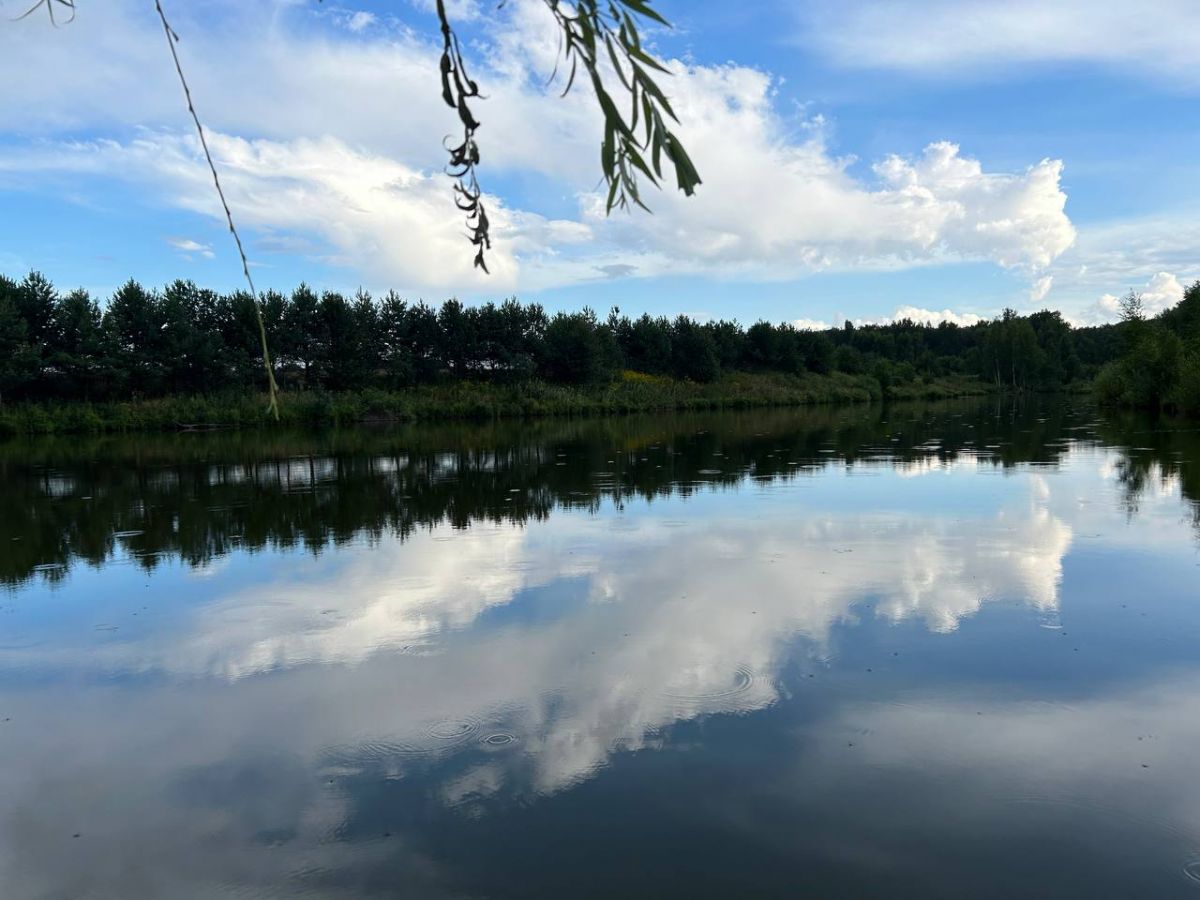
(733, 693)
(1192, 871)
(452, 732)
(499, 739)
(441, 736)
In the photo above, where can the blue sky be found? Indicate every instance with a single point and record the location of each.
(860, 160)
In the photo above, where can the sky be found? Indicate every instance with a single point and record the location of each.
(930, 159)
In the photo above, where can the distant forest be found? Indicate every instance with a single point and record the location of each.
(186, 340)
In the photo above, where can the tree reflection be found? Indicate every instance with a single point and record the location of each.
(198, 497)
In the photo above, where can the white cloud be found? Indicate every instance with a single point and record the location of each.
(1160, 293)
(364, 176)
(811, 325)
(187, 246)
(1014, 220)
(925, 316)
(1110, 258)
(1040, 288)
(370, 212)
(937, 36)
(360, 20)
(774, 208)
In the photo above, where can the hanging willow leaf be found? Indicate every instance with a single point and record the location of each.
(458, 89)
(582, 28)
(625, 146)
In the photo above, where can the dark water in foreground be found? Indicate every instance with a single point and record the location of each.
(939, 651)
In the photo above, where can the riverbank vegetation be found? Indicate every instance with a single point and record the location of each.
(185, 355)
(468, 400)
(1159, 365)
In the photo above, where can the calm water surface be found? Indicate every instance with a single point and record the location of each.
(922, 651)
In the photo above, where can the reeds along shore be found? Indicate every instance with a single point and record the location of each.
(459, 400)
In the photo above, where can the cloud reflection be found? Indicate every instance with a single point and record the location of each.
(681, 617)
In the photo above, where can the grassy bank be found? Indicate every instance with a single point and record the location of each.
(632, 392)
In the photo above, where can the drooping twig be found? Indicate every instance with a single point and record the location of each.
(49, 4)
(172, 38)
(599, 37)
(457, 89)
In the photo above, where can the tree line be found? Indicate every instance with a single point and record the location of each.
(185, 339)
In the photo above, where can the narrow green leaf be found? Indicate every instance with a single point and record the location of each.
(640, 54)
(612, 54)
(653, 89)
(644, 9)
(613, 184)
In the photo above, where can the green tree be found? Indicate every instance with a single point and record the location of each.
(457, 349)
(191, 345)
(132, 327)
(337, 364)
(760, 345)
(646, 344)
(396, 349)
(17, 358)
(818, 351)
(238, 320)
(36, 300)
(80, 356)
(573, 351)
(368, 340)
(693, 352)
(1150, 375)
(298, 343)
(1057, 361)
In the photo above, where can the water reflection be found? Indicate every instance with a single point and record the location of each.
(503, 662)
(197, 497)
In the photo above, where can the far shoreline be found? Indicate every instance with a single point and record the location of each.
(632, 392)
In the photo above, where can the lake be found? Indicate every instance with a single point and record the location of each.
(938, 650)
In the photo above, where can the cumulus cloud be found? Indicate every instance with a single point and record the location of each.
(1109, 259)
(924, 36)
(775, 208)
(1160, 293)
(302, 161)
(924, 317)
(811, 324)
(1015, 220)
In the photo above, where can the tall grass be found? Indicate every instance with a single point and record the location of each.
(631, 392)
